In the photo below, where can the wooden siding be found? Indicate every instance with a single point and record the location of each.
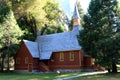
(72, 60)
(88, 62)
(36, 64)
(67, 63)
(23, 54)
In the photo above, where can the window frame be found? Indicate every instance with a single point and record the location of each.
(18, 60)
(26, 60)
(61, 56)
(72, 56)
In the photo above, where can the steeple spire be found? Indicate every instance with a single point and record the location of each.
(76, 17)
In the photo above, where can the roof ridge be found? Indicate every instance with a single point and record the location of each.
(55, 34)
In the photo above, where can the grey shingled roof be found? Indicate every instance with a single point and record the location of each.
(32, 47)
(57, 42)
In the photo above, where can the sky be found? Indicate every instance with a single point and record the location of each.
(68, 5)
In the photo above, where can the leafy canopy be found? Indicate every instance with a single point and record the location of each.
(101, 34)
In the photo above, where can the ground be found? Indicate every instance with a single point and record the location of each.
(54, 76)
(99, 77)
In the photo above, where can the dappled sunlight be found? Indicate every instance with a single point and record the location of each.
(47, 77)
(52, 76)
(34, 79)
(99, 77)
(67, 75)
(118, 65)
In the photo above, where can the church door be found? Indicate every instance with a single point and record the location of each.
(30, 67)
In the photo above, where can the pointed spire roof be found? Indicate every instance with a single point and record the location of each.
(76, 20)
(76, 13)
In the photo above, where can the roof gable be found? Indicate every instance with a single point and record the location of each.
(32, 47)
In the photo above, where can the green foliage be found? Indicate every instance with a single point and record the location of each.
(44, 11)
(33, 15)
(81, 12)
(71, 25)
(101, 34)
(3, 12)
(52, 11)
(60, 28)
(54, 29)
(28, 26)
(10, 32)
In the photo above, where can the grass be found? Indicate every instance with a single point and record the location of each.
(99, 77)
(40, 76)
(13, 76)
(51, 76)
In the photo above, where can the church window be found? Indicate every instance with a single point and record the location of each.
(17, 60)
(61, 56)
(72, 56)
(26, 60)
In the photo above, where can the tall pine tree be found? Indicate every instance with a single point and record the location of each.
(10, 33)
(101, 34)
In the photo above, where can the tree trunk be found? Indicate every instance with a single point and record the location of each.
(8, 56)
(8, 63)
(114, 67)
(109, 71)
(43, 29)
(2, 63)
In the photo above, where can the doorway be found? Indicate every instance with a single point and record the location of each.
(30, 67)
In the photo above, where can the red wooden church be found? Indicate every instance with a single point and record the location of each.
(60, 51)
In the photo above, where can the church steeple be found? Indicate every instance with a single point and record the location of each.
(76, 17)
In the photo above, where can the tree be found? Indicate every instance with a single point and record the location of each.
(81, 12)
(10, 33)
(28, 25)
(53, 29)
(54, 16)
(29, 15)
(60, 28)
(40, 12)
(101, 34)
